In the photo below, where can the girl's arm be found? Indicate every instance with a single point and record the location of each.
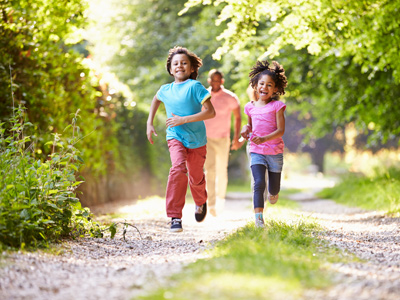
(208, 112)
(280, 123)
(245, 133)
(155, 104)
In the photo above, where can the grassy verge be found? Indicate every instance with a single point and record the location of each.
(379, 192)
(279, 262)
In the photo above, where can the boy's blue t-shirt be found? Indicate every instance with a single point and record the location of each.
(185, 99)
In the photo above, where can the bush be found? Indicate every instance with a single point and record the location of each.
(38, 203)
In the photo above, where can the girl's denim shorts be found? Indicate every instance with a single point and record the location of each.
(274, 163)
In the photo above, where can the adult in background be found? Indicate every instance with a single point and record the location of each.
(218, 138)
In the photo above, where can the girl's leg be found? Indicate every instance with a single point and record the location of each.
(251, 178)
(275, 164)
(274, 183)
(259, 187)
(177, 179)
(197, 182)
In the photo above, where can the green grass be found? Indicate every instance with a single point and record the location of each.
(279, 262)
(380, 192)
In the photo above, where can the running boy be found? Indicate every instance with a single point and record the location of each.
(186, 133)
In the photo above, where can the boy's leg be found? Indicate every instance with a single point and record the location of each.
(197, 182)
(177, 179)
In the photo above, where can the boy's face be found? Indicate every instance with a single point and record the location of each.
(181, 67)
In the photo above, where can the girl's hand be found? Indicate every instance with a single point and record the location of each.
(175, 121)
(150, 130)
(258, 139)
(245, 133)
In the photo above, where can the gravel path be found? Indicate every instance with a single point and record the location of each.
(114, 269)
(372, 237)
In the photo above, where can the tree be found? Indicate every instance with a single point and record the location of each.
(352, 47)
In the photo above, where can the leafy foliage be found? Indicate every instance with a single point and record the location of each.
(40, 41)
(343, 53)
(38, 202)
(49, 76)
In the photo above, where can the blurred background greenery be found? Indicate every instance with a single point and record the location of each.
(107, 58)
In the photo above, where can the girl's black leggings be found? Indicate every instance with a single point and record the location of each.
(274, 184)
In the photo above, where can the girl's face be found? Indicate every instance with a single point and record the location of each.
(265, 88)
(181, 67)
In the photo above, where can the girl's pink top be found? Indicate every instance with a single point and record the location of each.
(264, 122)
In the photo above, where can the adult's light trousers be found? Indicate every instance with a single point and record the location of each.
(216, 167)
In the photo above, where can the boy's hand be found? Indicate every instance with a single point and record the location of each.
(150, 130)
(175, 121)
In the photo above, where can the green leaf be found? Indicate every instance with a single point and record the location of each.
(77, 183)
(74, 167)
(113, 230)
(67, 127)
(25, 214)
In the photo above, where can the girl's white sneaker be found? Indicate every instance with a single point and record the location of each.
(259, 223)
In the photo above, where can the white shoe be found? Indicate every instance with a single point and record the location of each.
(260, 223)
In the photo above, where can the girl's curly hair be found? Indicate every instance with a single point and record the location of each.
(195, 61)
(276, 72)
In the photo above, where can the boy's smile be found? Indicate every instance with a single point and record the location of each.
(181, 67)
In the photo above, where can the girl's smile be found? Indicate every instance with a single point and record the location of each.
(266, 88)
(181, 67)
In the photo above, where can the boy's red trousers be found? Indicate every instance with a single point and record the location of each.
(187, 165)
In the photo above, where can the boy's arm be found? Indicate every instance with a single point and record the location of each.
(208, 112)
(155, 104)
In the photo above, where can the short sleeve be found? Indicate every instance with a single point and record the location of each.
(160, 94)
(202, 94)
(235, 103)
(280, 105)
(247, 109)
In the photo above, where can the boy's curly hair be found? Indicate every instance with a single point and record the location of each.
(276, 71)
(195, 61)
